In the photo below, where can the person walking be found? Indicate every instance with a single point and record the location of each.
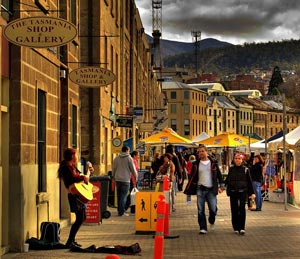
(256, 172)
(206, 173)
(69, 174)
(239, 185)
(133, 183)
(167, 168)
(122, 168)
(135, 157)
(189, 165)
(178, 174)
(155, 164)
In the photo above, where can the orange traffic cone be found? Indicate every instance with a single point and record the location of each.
(112, 256)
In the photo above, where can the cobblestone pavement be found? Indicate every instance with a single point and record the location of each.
(273, 232)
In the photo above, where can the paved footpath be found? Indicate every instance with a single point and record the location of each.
(272, 233)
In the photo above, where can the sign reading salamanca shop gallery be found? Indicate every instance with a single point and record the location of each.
(40, 32)
(92, 76)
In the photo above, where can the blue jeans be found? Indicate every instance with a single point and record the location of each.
(211, 198)
(257, 191)
(122, 193)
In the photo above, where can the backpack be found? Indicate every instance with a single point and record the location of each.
(50, 232)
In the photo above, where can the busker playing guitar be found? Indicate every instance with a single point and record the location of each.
(70, 174)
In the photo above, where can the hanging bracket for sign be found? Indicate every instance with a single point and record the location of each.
(28, 11)
(42, 8)
(81, 62)
(97, 36)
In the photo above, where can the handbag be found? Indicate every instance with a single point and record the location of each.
(191, 187)
(159, 177)
(133, 196)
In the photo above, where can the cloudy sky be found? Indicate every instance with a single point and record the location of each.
(234, 21)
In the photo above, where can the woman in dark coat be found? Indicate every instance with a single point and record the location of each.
(239, 186)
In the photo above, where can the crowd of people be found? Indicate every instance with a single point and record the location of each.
(242, 184)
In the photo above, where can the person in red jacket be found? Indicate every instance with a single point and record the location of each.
(188, 167)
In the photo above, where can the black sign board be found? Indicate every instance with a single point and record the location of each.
(124, 121)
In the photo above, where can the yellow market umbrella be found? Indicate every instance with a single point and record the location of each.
(166, 135)
(227, 140)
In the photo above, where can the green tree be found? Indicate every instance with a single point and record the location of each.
(275, 82)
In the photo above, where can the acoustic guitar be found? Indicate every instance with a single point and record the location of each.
(83, 190)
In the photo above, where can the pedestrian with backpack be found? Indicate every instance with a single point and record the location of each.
(239, 187)
(70, 174)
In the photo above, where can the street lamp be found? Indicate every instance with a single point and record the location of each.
(284, 151)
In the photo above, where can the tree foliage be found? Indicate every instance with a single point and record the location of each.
(237, 58)
(275, 82)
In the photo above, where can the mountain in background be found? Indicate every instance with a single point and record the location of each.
(171, 48)
(223, 58)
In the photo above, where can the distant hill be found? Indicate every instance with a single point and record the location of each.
(171, 48)
(241, 58)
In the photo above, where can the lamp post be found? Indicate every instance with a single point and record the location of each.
(284, 151)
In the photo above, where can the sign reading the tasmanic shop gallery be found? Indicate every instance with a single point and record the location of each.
(40, 32)
(92, 76)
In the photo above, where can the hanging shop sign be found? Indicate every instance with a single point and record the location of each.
(40, 32)
(92, 76)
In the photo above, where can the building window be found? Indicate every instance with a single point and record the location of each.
(42, 185)
(112, 66)
(186, 95)
(173, 95)
(173, 124)
(186, 127)
(6, 6)
(173, 108)
(186, 108)
(73, 11)
(117, 72)
(74, 126)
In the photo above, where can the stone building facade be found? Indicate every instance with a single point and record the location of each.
(43, 112)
